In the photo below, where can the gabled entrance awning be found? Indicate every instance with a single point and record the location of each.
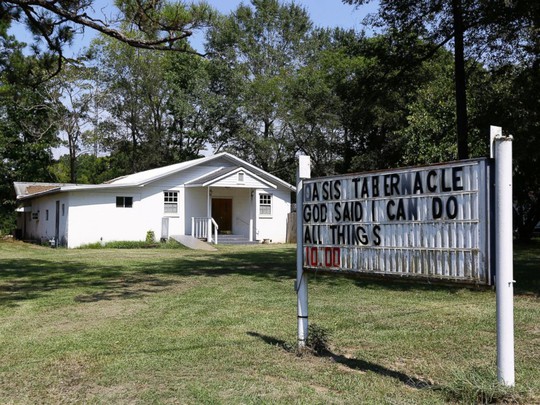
(237, 177)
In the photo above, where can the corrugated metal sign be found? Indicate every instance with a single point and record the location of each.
(423, 222)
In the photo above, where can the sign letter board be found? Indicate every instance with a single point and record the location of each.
(428, 222)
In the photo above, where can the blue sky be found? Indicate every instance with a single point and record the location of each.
(324, 13)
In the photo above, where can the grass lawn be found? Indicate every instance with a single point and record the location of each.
(178, 326)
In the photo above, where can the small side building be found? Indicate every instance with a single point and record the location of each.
(220, 193)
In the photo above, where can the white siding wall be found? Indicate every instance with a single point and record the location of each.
(232, 181)
(195, 206)
(42, 229)
(274, 228)
(94, 217)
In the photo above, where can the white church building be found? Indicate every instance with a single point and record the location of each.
(203, 198)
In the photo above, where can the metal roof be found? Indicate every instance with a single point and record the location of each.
(29, 190)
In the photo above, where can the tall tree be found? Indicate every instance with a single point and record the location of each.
(133, 81)
(28, 126)
(516, 108)
(158, 106)
(76, 87)
(375, 94)
(255, 51)
(192, 107)
(429, 135)
(489, 31)
(313, 107)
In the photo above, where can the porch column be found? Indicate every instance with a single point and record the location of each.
(208, 214)
(251, 216)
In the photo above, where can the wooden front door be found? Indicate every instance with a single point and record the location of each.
(222, 214)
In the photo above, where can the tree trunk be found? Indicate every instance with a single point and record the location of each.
(72, 169)
(347, 152)
(459, 65)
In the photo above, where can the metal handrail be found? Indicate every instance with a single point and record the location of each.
(216, 228)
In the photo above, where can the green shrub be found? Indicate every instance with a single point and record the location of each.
(318, 339)
(129, 244)
(96, 245)
(150, 237)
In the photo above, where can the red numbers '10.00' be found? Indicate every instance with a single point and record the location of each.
(322, 256)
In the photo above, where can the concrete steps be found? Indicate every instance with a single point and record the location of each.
(235, 240)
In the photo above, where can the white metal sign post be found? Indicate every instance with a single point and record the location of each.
(304, 172)
(504, 267)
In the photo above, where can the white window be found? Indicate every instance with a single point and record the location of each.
(170, 202)
(240, 177)
(124, 202)
(265, 205)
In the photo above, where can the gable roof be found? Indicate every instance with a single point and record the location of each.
(140, 179)
(148, 176)
(226, 174)
(211, 177)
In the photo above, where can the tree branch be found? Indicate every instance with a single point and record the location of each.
(58, 49)
(168, 42)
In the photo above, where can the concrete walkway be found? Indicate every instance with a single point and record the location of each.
(193, 243)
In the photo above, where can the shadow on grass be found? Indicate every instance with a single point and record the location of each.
(253, 263)
(353, 364)
(527, 268)
(126, 288)
(28, 278)
(272, 341)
